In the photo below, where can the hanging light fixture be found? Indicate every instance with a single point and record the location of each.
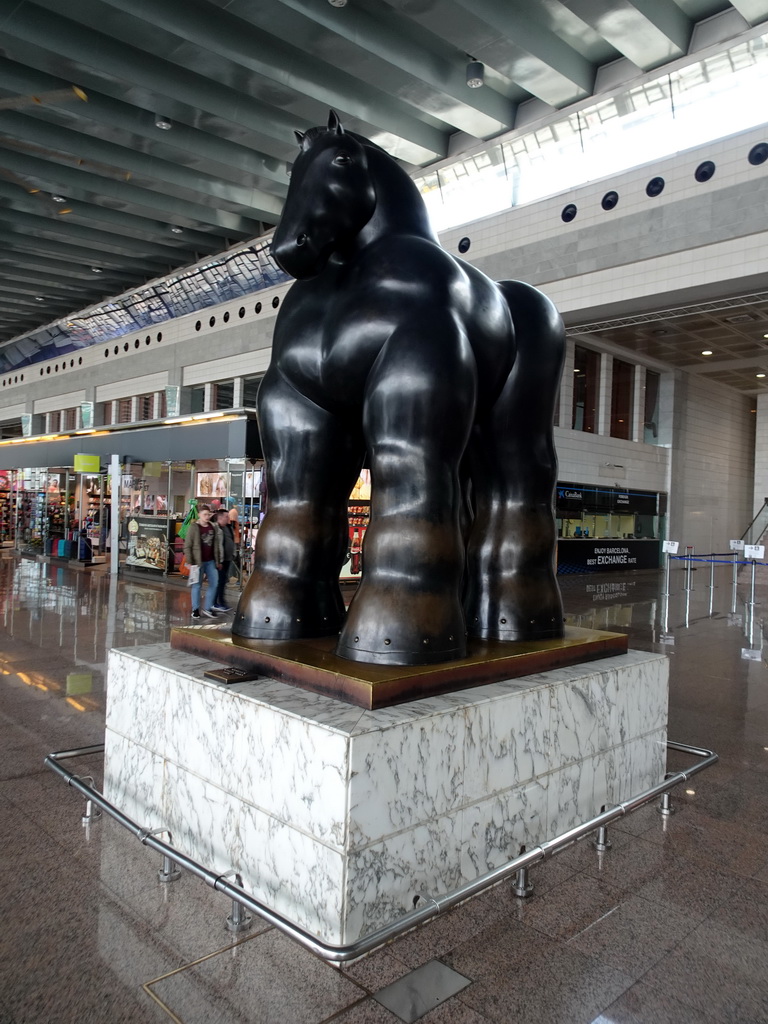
(475, 74)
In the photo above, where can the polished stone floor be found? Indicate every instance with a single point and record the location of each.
(670, 925)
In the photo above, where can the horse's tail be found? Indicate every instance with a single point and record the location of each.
(512, 593)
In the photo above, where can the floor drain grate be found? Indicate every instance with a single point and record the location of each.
(421, 991)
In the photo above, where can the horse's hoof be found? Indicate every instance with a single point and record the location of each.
(517, 629)
(386, 653)
(259, 618)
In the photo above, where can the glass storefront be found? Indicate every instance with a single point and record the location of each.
(605, 528)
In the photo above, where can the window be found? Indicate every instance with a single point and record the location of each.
(251, 390)
(106, 413)
(651, 408)
(124, 410)
(586, 376)
(145, 407)
(622, 392)
(223, 394)
(11, 429)
(162, 406)
(197, 399)
(54, 422)
(70, 419)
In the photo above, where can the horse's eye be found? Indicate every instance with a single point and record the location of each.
(343, 159)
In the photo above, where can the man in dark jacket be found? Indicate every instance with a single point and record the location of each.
(228, 537)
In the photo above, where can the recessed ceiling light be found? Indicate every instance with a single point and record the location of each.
(338, 3)
(96, 270)
(759, 374)
(765, 335)
(163, 123)
(58, 199)
(707, 352)
(39, 298)
(176, 231)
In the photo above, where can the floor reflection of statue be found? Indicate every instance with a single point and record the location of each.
(390, 349)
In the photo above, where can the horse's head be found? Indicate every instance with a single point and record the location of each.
(330, 199)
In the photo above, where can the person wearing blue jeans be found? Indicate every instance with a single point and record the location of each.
(204, 547)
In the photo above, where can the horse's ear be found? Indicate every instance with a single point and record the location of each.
(334, 124)
(300, 137)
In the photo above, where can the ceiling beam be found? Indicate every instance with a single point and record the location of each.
(529, 53)
(17, 197)
(23, 239)
(215, 30)
(479, 112)
(71, 181)
(752, 11)
(60, 269)
(156, 79)
(229, 157)
(64, 229)
(647, 32)
(61, 143)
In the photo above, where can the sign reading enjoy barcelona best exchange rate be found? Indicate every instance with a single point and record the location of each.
(606, 555)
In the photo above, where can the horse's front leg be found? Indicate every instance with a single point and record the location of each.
(312, 460)
(419, 406)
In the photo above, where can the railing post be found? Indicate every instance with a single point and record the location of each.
(601, 842)
(733, 585)
(522, 887)
(238, 919)
(689, 551)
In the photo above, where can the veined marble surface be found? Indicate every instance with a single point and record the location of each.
(336, 816)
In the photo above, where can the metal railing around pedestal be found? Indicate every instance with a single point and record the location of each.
(432, 905)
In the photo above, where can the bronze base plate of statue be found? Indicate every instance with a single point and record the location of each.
(312, 664)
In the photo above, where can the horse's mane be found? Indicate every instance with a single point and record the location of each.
(314, 133)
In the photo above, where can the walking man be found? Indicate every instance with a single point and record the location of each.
(228, 536)
(204, 547)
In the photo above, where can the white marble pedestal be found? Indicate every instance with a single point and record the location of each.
(335, 816)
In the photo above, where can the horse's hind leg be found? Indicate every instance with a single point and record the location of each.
(312, 460)
(512, 591)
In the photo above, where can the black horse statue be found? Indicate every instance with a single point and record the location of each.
(390, 352)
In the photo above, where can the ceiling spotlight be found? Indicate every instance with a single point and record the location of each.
(58, 199)
(176, 231)
(96, 270)
(39, 298)
(475, 74)
(338, 3)
(759, 374)
(707, 352)
(163, 123)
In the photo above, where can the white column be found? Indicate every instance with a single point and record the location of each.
(565, 419)
(115, 481)
(604, 395)
(638, 404)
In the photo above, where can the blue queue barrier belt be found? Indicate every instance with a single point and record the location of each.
(717, 559)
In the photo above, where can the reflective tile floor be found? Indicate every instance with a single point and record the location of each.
(670, 925)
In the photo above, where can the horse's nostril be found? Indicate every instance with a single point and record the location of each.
(301, 239)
